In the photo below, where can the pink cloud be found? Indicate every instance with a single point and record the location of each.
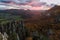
(33, 5)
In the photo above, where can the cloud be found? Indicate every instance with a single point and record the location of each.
(51, 1)
(19, 4)
(5, 1)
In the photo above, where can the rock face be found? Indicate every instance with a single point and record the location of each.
(10, 30)
(1, 37)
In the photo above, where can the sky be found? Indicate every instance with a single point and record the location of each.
(28, 4)
(23, 1)
(51, 1)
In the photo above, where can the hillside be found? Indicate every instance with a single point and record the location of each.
(30, 24)
(46, 22)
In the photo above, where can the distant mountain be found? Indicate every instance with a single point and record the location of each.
(54, 10)
(21, 12)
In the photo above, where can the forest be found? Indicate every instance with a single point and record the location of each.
(30, 25)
